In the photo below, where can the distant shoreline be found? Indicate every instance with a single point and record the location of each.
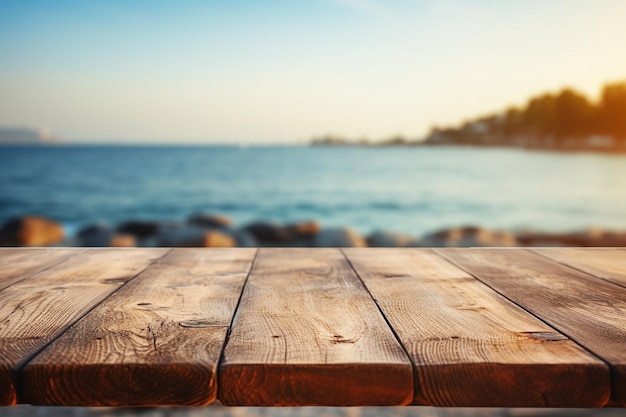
(374, 145)
(563, 121)
(528, 145)
(574, 148)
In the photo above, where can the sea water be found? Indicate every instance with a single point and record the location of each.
(412, 190)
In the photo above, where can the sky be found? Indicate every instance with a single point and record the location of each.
(284, 71)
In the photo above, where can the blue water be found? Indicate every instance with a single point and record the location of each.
(412, 190)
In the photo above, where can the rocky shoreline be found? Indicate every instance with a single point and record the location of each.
(215, 230)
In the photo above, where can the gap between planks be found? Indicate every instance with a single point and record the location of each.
(599, 265)
(12, 274)
(530, 363)
(307, 333)
(157, 341)
(29, 300)
(391, 328)
(586, 309)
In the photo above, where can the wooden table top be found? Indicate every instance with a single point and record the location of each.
(269, 327)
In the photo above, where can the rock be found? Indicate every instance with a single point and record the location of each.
(210, 220)
(184, 237)
(30, 231)
(245, 239)
(610, 239)
(338, 237)
(195, 237)
(530, 238)
(218, 239)
(468, 237)
(486, 238)
(381, 239)
(122, 241)
(95, 235)
(102, 235)
(305, 229)
(169, 225)
(596, 237)
(270, 233)
(442, 238)
(139, 228)
(415, 243)
(148, 242)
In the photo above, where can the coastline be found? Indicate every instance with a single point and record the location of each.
(216, 230)
(576, 147)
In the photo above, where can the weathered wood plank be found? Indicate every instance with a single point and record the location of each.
(608, 264)
(36, 310)
(18, 263)
(308, 333)
(156, 341)
(588, 310)
(472, 347)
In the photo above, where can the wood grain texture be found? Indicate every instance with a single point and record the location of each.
(588, 310)
(157, 341)
(36, 310)
(308, 333)
(472, 347)
(17, 264)
(608, 264)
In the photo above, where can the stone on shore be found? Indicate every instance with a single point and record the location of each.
(194, 237)
(382, 239)
(339, 238)
(470, 236)
(595, 237)
(184, 237)
(270, 233)
(95, 235)
(139, 228)
(609, 239)
(122, 241)
(102, 235)
(218, 239)
(31, 231)
(305, 229)
(244, 239)
(210, 220)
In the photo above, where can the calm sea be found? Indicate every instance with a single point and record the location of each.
(412, 190)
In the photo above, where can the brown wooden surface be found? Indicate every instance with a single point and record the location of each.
(608, 264)
(151, 326)
(307, 333)
(471, 346)
(157, 341)
(36, 310)
(589, 310)
(18, 264)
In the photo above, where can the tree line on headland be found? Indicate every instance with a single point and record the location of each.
(567, 120)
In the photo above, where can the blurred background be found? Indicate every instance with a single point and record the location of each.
(316, 123)
(312, 123)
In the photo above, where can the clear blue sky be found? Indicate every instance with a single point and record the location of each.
(284, 71)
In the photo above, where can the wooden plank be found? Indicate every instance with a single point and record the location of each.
(308, 333)
(608, 264)
(588, 310)
(157, 341)
(472, 347)
(36, 310)
(17, 264)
